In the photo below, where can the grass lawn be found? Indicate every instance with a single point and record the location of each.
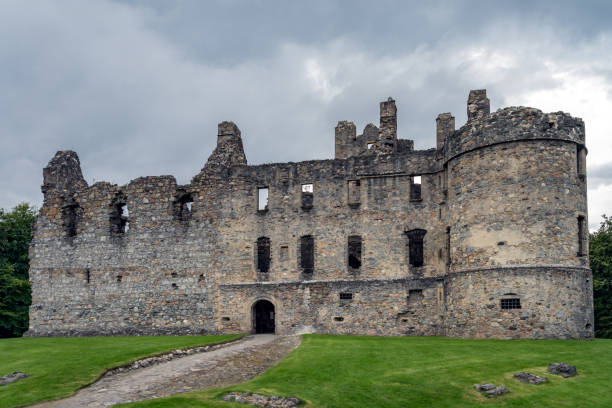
(60, 366)
(350, 371)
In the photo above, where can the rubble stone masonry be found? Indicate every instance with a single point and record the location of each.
(483, 236)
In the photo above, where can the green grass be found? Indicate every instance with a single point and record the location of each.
(349, 371)
(60, 366)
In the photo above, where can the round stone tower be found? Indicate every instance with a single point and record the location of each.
(517, 225)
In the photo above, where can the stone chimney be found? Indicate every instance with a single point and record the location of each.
(63, 174)
(345, 139)
(478, 104)
(227, 131)
(445, 126)
(388, 124)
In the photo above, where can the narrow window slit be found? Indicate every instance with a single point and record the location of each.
(415, 188)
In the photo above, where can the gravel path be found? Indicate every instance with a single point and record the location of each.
(233, 364)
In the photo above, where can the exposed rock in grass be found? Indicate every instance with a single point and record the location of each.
(262, 400)
(9, 378)
(563, 369)
(491, 390)
(529, 378)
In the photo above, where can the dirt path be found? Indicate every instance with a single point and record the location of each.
(233, 364)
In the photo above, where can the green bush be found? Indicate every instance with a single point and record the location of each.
(15, 295)
(600, 251)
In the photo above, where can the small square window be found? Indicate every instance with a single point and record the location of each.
(513, 303)
(346, 296)
(284, 252)
(370, 145)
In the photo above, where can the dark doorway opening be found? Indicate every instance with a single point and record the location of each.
(263, 316)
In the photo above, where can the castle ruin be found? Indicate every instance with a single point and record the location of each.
(483, 236)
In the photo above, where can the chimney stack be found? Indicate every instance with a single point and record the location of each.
(388, 123)
(445, 126)
(478, 104)
(227, 131)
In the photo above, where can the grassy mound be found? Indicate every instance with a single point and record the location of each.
(349, 371)
(59, 366)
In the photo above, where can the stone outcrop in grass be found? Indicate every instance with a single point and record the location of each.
(9, 378)
(262, 400)
(529, 378)
(563, 369)
(491, 390)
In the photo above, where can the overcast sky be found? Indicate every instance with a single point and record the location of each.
(137, 88)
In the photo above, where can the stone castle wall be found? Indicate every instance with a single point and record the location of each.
(500, 203)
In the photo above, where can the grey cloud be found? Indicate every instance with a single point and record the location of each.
(137, 88)
(600, 175)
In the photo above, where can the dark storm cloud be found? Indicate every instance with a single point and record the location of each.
(137, 88)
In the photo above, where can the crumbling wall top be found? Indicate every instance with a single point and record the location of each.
(513, 124)
(63, 174)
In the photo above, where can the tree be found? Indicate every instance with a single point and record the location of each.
(600, 251)
(15, 295)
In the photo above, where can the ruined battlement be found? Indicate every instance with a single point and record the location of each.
(382, 239)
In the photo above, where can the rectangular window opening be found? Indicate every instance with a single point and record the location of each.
(307, 196)
(119, 223)
(415, 296)
(581, 161)
(262, 199)
(448, 246)
(284, 253)
(415, 188)
(415, 247)
(513, 303)
(582, 236)
(263, 254)
(71, 214)
(346, 296)
(354, 192)
(354, 252)
(370, 145)
(183, 203)
(307, 254)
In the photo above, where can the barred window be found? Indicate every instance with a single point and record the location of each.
(513, 303)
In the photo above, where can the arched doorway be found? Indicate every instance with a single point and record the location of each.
(263, 317)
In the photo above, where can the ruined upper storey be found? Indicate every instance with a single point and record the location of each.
(483, 128)
(63, 174)
(371, 152)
